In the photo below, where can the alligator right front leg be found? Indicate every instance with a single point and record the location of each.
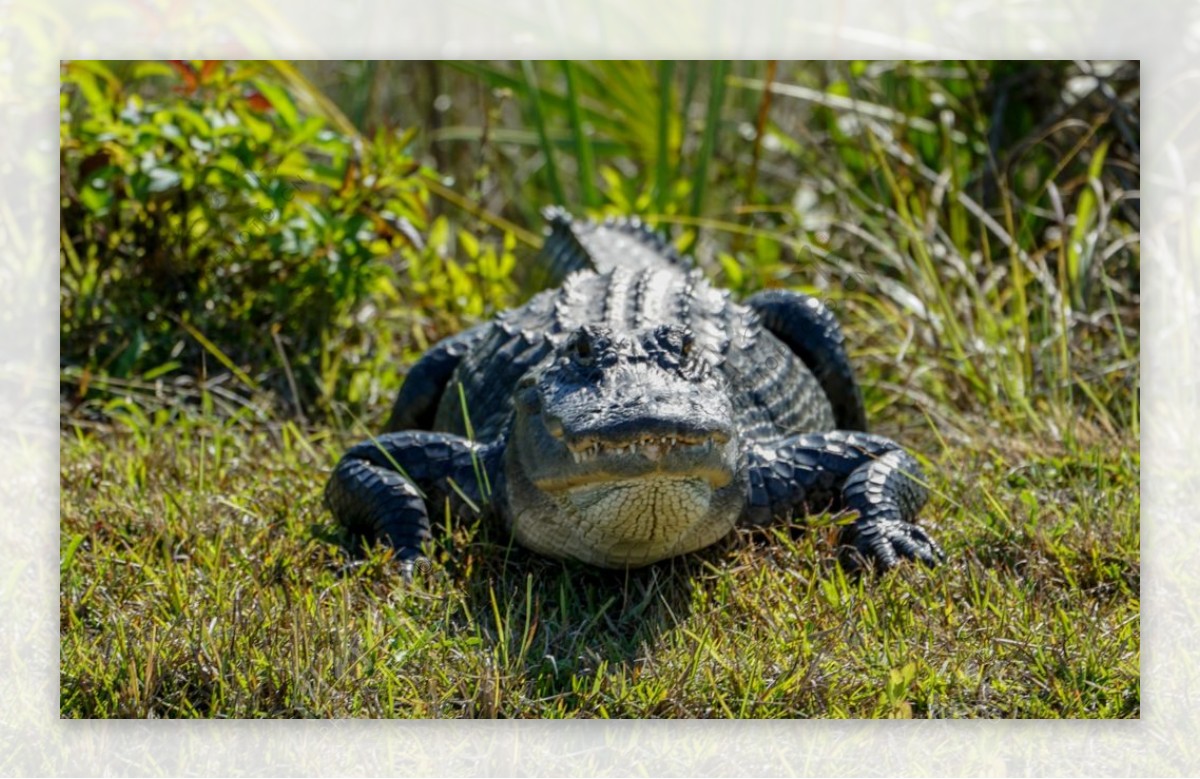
(866, 473)
(813, 334)
(384, 489)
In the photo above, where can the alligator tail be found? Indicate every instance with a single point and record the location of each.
(625, 242)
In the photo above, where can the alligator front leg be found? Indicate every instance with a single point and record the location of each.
(846, 470)
(417, 402)
(385, 489)
(813, 334)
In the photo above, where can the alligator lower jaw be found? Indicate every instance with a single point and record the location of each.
(625, 523)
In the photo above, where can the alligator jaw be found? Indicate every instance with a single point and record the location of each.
(623, 523)
(593, 463)
(651, 447)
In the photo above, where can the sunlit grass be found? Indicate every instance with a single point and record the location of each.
(201, 577)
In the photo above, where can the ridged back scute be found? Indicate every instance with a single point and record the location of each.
(626, 242)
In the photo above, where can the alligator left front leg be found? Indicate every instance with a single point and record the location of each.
(386, 489)
(846, 470)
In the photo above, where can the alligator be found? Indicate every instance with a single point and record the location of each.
(630, 414)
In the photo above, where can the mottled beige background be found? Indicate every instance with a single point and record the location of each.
(36, 34)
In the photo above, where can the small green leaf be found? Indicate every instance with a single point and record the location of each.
(733, 270)
(192, 121)
(469, 243)
(280, 101)
(96, 199)
(161, 370)
(152, 68)
(439, 234)
(88, 74)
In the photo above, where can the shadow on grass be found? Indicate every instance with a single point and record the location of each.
(551, 627)
(559, 627)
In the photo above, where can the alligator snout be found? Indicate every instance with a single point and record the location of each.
(616, 407)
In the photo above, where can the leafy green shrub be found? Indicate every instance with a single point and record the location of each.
(207, 218)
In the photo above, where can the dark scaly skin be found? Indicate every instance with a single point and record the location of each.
(385, 489)
(867, 473)
(810, 330)
(632, 413)
(417, 403)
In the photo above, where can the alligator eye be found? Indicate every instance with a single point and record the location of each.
(688, 346)
(581, 348)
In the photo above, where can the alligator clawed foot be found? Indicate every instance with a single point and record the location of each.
(883, 545)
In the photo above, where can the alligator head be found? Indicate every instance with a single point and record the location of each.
(623, 450)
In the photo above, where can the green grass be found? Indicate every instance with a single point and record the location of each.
(986, 273)
(201, 577)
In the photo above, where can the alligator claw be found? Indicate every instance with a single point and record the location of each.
(883, 544)
(419, 563)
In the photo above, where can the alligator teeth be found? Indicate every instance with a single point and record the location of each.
(651, 447)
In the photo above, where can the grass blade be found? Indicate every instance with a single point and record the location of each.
(662, 169)
(583, 144)
(709, 141)
(603, 120)
(539, 122)
(1082, 246)
(223, 358)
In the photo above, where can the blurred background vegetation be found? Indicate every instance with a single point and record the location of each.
(283, 237)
